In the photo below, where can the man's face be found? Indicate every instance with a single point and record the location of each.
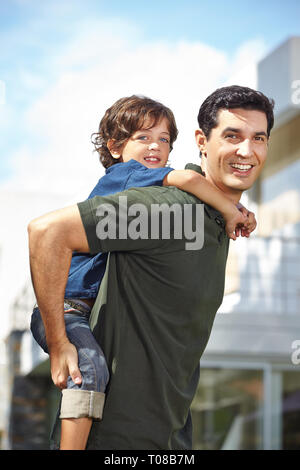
(236, 150)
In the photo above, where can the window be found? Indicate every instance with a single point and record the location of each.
(227, 410)
(247, 409)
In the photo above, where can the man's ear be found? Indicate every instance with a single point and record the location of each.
(201, 141)
(114, 151)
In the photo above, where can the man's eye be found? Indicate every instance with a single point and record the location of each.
(260, 138)
(230, 136)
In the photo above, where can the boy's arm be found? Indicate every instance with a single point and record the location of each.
(193, 182)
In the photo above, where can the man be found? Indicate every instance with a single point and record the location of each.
(158, 300)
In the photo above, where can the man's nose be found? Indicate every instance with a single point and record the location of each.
(245, 148)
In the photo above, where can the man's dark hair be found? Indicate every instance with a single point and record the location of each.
(233, 97)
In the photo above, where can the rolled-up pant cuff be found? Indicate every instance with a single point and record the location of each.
(82, 404)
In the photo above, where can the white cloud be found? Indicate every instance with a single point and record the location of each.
(244, 65)
(105, 62)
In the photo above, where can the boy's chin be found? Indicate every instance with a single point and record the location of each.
(154, 166)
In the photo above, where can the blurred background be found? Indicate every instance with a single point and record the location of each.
(62, 64)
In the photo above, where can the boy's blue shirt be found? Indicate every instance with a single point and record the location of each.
(86, 271)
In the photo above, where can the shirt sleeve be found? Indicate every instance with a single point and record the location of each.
(131, 221)
(96, 190)
(144, 176)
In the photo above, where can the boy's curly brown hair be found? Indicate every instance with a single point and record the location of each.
(124, 118)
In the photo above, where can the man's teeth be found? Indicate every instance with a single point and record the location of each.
(241, 167)
(152, 159)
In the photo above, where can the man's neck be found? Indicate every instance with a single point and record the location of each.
(233, 194)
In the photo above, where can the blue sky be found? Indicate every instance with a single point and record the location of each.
(45, 43)
(220, 23)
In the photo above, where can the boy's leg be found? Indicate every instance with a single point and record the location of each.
(79, 403)
(38, 329)
(75, 433)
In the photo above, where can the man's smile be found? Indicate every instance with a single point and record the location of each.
(241, 168)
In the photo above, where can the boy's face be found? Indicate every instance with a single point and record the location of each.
(149, 146)
(236, 150)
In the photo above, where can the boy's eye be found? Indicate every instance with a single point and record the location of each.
(164, 139)
(142, 137)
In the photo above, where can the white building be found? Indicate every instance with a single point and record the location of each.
(17, 298)
(249, 392)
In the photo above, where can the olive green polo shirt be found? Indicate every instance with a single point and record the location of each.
(153, 317)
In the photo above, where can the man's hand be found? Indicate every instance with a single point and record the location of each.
(64, 363)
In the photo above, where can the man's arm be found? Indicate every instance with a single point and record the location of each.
(52, 239)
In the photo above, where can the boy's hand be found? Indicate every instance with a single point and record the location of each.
(250, 224)
(234, 222)
(239, 221)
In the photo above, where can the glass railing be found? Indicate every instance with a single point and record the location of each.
(267, 272)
